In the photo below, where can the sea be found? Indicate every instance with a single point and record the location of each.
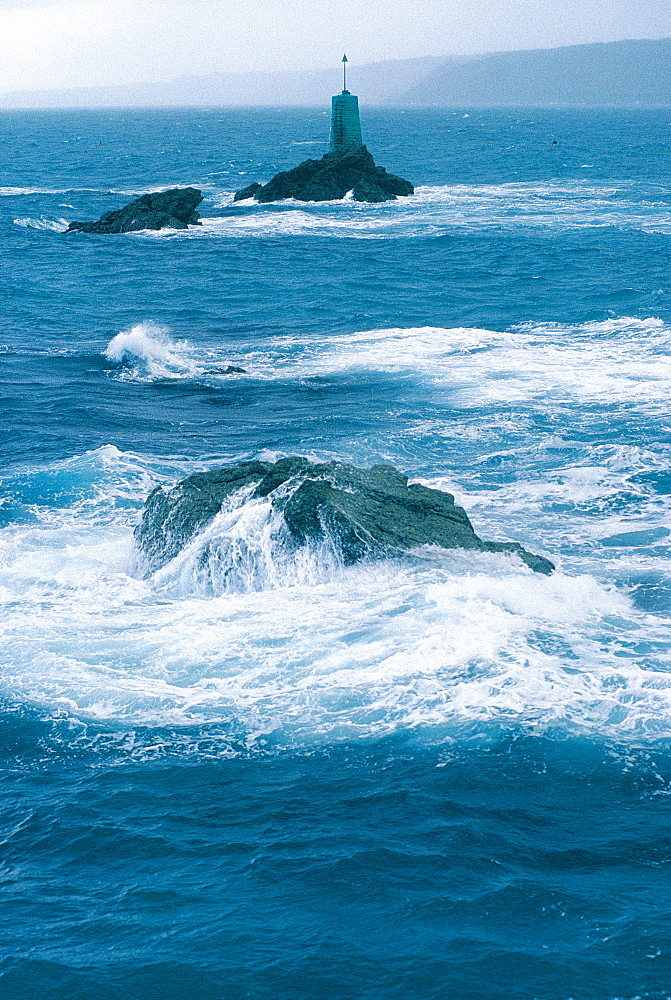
(437, 776)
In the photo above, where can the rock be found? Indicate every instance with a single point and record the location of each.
(329, 179)
(174, 209)
(367, 190)
(250, 191)
(171, 518)
(364, 512)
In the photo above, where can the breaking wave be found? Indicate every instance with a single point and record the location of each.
(438, 209)
(151, 346)
(433, 211)
(146, 352)
(597, 363)
(237, 632)
(50, 225)
(246, 549)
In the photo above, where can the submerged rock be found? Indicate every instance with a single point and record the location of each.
(329, 179)
(227, 370)
(362, 512)
(174, 209)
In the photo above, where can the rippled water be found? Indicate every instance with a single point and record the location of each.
(260, 776)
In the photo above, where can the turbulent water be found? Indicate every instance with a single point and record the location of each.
(270, 777)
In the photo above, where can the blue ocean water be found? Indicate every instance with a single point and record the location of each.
(435, 777)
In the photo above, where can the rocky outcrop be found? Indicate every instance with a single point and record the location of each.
(174, 209)
(330, 179)
(363, 512)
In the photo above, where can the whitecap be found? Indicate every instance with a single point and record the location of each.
(437, 209)
(51, 225)
(147, 352)
(150, 344)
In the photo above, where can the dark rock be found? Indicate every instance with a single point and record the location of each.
(329, 179)
(367, 190)
(247, 192)
(171, 518)
(175, 209)
(363, 512)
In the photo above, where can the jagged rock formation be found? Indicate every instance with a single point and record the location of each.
(174, 209)
(329, 179)
(364, 512)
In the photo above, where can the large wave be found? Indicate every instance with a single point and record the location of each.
(232, 632)
(596, 363)
(150, 344)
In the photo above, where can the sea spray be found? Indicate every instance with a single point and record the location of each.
(246, 632)
(146, 352)
(150, 344)
(245, 548)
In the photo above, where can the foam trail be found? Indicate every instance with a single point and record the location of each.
(15, 192)
(606, 360)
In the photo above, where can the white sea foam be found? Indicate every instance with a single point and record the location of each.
(14, 192)
(437, 209)
(147, 352)
(229, 632)
(432, 211)
(51, 225)
(150, 343)
(555, 365)
(539, 363)
(239, 630)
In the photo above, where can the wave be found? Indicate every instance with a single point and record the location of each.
(14, 192)
(610, 361)
(51, 225)
(437, 209)
(602, 363)
(150, 344)
(243, 550)
(146, 352)
(234, 633)
(432, 211)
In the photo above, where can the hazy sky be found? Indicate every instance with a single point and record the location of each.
(78, 43)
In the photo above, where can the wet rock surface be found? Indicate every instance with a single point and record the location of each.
(174, 209)
(330, 179)
(363, 512)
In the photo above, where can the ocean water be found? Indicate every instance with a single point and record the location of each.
(442, 777)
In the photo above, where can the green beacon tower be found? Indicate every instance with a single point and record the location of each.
(345, 124)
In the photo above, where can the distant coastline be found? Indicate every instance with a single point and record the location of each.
(627, 74)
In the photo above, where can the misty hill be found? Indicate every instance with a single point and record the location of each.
(621, 74)
(376, 83)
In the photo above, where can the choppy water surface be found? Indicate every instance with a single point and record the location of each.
(436, 776)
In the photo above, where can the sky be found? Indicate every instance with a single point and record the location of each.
(82, 43)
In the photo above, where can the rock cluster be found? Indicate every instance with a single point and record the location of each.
(174, 209)
(329, 179)
(363, 512)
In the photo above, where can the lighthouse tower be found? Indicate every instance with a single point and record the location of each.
(345, 124)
